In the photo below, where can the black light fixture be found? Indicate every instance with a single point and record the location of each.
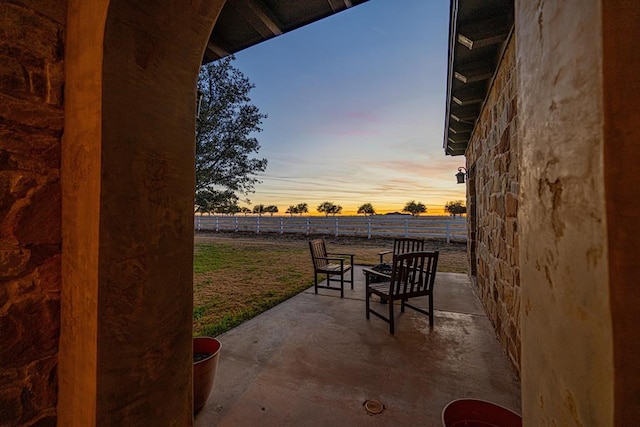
(460, 175)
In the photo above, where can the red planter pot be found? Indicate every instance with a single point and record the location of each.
(204, 371)
(478, 413)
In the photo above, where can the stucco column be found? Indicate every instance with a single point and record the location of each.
(128, 182)
(567, 351)
(621, 157)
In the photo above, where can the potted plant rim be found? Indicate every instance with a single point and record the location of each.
(206, 352)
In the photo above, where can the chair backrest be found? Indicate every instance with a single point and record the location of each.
(318, 253)
(413, 273)
(402, 245)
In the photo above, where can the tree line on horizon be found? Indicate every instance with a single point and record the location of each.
(327, 208)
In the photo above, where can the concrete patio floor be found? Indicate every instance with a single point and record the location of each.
(315, 359)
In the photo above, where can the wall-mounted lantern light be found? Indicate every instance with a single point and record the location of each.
(460, 175)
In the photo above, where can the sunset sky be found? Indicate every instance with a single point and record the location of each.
(355, 107)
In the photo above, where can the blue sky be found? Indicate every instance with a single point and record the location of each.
(355, 107)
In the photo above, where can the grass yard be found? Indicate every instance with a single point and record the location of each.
(238, 276)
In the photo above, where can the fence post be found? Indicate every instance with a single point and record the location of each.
(281, 225)
(369, 228)
(406, 227)
(307, 221)
(448, 232)
(258, 225)
(198, 223)
(336, 226)
(217, 225)
(235, 227)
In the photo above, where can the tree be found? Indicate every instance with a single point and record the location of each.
(455, 208)
(271, 209)
(302, 208)
(292, 210)
(224, 145)
(259, 209)
(208, 201)
(228, 209)
(329, 208)
(415, 209)
(366, 209)
(245, 210)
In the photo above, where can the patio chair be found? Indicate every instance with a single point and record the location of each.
(412, 275)
(403, 245)
(331, 264)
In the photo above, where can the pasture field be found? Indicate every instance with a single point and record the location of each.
(239, 275)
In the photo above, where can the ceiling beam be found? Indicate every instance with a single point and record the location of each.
(259, 17)
(458, 139)
(475, 43)
(468, 96)
(481, 33)
(464, 117)
(472, 76)
(337, 5)
(455, 151)
(455, 128)
(217, 50)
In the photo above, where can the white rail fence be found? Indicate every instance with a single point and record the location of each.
(372, 226)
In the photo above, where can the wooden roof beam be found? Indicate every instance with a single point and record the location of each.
(337, 5)
(259, 17)
(477, 34)
(459, 130)
(467, 96)
(472, 76)
(455, 150)
(458, 139)
(475, 43)
(466, 118)
(217, 50)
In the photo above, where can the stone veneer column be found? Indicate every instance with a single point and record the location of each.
(493, 187)
(567, 353)
(31, 124)
(128, 182)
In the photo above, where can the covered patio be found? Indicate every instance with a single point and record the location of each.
(97, 115)
(316, 360)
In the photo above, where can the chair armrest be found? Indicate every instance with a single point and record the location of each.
(349, 255)
(382, 254)
(368, 271)
(329, 258)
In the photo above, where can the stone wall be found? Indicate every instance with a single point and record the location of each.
(31, 123)
(493, 163)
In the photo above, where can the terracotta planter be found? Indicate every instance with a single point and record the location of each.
(204, 370)
(478, 413)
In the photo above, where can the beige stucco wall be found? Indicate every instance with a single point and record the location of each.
(567, 360)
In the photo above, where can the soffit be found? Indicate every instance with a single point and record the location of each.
(244, 23)
(478, 30)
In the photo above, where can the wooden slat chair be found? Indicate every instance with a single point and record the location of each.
(412, 275)
(331, 264)
(402, 245)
